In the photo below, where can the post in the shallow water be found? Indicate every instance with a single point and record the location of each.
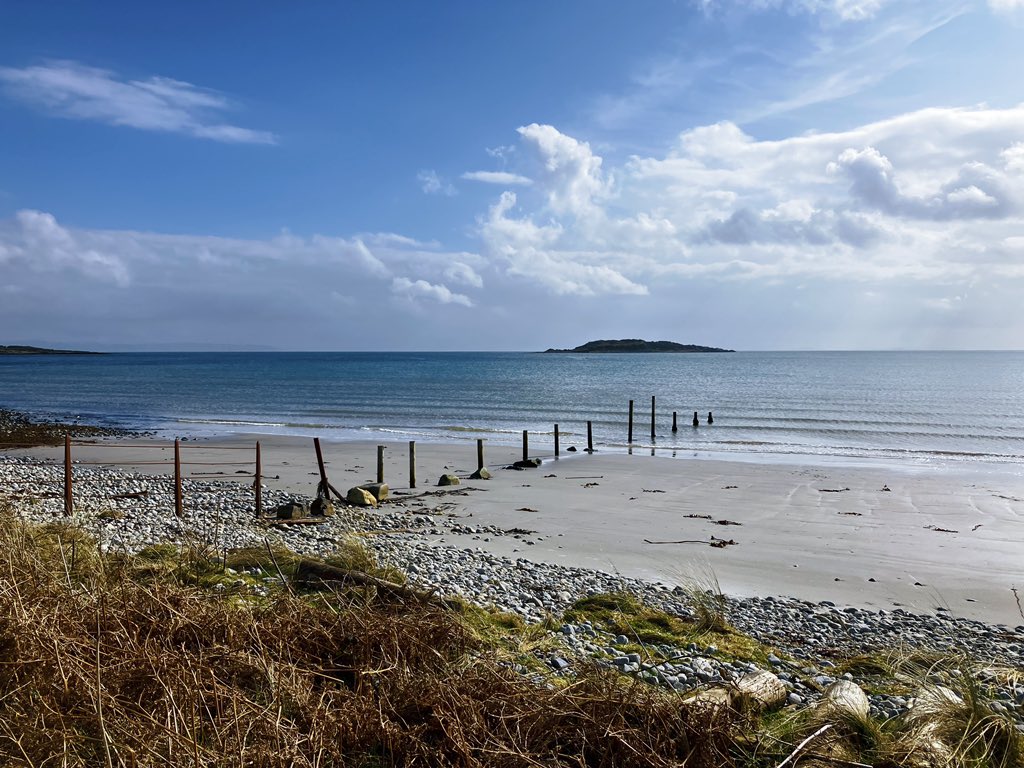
(675, 428)
(711, 419)
(696, 421)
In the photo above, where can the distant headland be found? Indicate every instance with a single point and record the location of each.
(24, 350)
(638, 345)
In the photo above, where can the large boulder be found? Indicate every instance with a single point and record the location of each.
(379, 490)
(292, 510)
(844, 699)
(360, 497)
(761, 690)
(449, 480)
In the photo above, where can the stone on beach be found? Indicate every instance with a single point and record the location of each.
(449, 480)
(360, 497)
(481, 474)
(844, 699)
(378, 490)
(321, 507)
(292, 510)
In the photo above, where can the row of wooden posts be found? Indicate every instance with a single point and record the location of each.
(325, 486)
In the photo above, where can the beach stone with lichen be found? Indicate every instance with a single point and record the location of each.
(449, 480)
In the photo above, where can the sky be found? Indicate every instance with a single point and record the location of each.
(758, 174)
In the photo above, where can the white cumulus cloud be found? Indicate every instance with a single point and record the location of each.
(421, 289)
(498, 177)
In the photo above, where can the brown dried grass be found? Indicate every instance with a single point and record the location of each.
(102, 666)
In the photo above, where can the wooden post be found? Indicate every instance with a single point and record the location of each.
(674, 427)
(526, 445)
(556, 441)
(380, 463)
(479, 454)
(257, 482)
(590, 437)
(178, 501)
(630, 440)
(652, 417)
(412, 463)
(324, 487)
(69, 503)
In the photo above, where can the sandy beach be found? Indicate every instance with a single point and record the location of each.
(877, 536)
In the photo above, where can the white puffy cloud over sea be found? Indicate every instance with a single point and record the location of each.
(772, 243)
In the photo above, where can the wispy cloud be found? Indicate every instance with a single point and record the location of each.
(73, 90)
(498, 177)
(432, 184)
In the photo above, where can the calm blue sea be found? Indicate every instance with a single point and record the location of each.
(927, 406)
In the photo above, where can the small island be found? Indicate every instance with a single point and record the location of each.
(637, 345)
(25, 350)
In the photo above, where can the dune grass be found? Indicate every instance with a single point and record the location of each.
(139, 661)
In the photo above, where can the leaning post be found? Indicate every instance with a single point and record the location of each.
(69, 504)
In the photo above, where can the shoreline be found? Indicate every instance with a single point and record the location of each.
(937, 539)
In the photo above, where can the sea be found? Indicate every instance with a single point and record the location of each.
(913, 407)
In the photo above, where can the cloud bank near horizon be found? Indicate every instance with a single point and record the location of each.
(917, 216)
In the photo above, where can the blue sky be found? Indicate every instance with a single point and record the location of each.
(769, 174)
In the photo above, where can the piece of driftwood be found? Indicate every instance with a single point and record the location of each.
(135, 495)
(715, 542)
(795, 754)
(308, 572)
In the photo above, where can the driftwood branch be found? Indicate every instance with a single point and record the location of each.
(800, 747)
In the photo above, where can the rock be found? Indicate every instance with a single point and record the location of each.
(292, 510)
(571, 449)
(449, 480)
(762, 690)
(379, 490)
(360, 497)
(321, 507)
(843, 698)
(527, 464)
(481, 474)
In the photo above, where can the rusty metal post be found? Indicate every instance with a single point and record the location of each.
(630, 439)
(178, 502)
(556, 441)
(69, 502)
(412, 463)
(258, 482)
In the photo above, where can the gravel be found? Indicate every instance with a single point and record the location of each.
(128, 511)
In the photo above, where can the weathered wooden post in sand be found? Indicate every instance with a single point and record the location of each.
(590, 437)
(479, 454)
(412, 463)
(324, 488)
(526, 445)
(630, 439)
(178, 500)
(556, 441)
(652, 417)
(69, 503)
(257, 482)
(380, 463)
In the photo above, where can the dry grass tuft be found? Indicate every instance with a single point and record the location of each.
(131, 661)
